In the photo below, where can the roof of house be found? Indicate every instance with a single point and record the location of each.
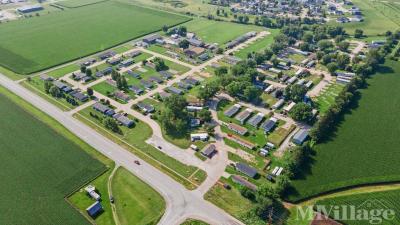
(100, 107)
(232, 110)
(209, 150)
(175, 90)
(300, 136)
(242, 116)
(238, 129)
(123, 119)
(268, 125)
(80, 96)
(256, 119)
(94, 209)
(240, 180)
(246, 169)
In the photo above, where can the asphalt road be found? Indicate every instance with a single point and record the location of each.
(181, 203)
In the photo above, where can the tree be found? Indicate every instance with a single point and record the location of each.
(332, 67)
(220, 71)
(358, 33)
(301, 112)
(55, 92)
(165, 28)
(325, 44)
(89, 91)
(174, 117)
(343, 46)
(342, 61)
(89, 72)
(83, 69)
(47, 86)
(208, 91)
(220, 51)
(160, 64)
(184, 44)
(112, 125)
(295, 92)
(205, 115)
(251, 93)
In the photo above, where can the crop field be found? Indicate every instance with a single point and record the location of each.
(367, 201)
(258, 46)
(38, 171)
(34, 44)
(364, 149)
(379, 17)
(218, 32)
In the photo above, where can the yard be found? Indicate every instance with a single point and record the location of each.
(364, 149)
(52, 153)
(37, 43)
(328, 96)
(136, 202)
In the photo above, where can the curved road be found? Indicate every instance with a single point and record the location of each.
(181, 203)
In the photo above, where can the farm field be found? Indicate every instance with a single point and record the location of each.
(373, 200)
(364, 149)
(380, 16)
(258, 46)
(34, 44)
(135, 201)
(63, 163)
(218, 32)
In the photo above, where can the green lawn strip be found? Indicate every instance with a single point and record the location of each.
(38, 43)
(364, 149)
(134, 140)
(122, 49)
(81, 200)
(10, 74)
(327, 97)
(60, 72)
(50, 153)
(383, 200)
(279, 135)
(194, 222)
(142, 57)
(136, 202)
(78, 3)
(258, 45)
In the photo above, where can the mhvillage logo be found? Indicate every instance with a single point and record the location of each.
(371, 211)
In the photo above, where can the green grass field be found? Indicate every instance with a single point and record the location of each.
(258, 46)
(379, 17)
(39, 167)
(34, 44)
(136, 202)
(364, 149)
(78, 3)
(218, 32)
(367, 201)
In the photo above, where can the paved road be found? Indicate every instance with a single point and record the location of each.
(181, 203)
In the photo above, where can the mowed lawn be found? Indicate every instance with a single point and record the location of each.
(379, 17)
(34, 44)
(38, 169)
(365, 148)
(382, 200)
(212, 31)
(259, 45)
(136, 202)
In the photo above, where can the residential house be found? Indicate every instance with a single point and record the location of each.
(268, 125)
(246, 169)
(199, 137)
(237, 129)
(122, 96)
(256, 119)
(94, 209)
(124, 120)
(232, 110)
(244, 115)
(103, 109)
(300, 137)
(209, 151)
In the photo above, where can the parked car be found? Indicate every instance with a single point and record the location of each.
(137, 162)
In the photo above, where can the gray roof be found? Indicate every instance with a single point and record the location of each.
(209, 150)
(232, 110)
(175, 90)
(124, 120)
(300, 137)
(268, 125)
(256, 119)
(246, 169)
(240, 180)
